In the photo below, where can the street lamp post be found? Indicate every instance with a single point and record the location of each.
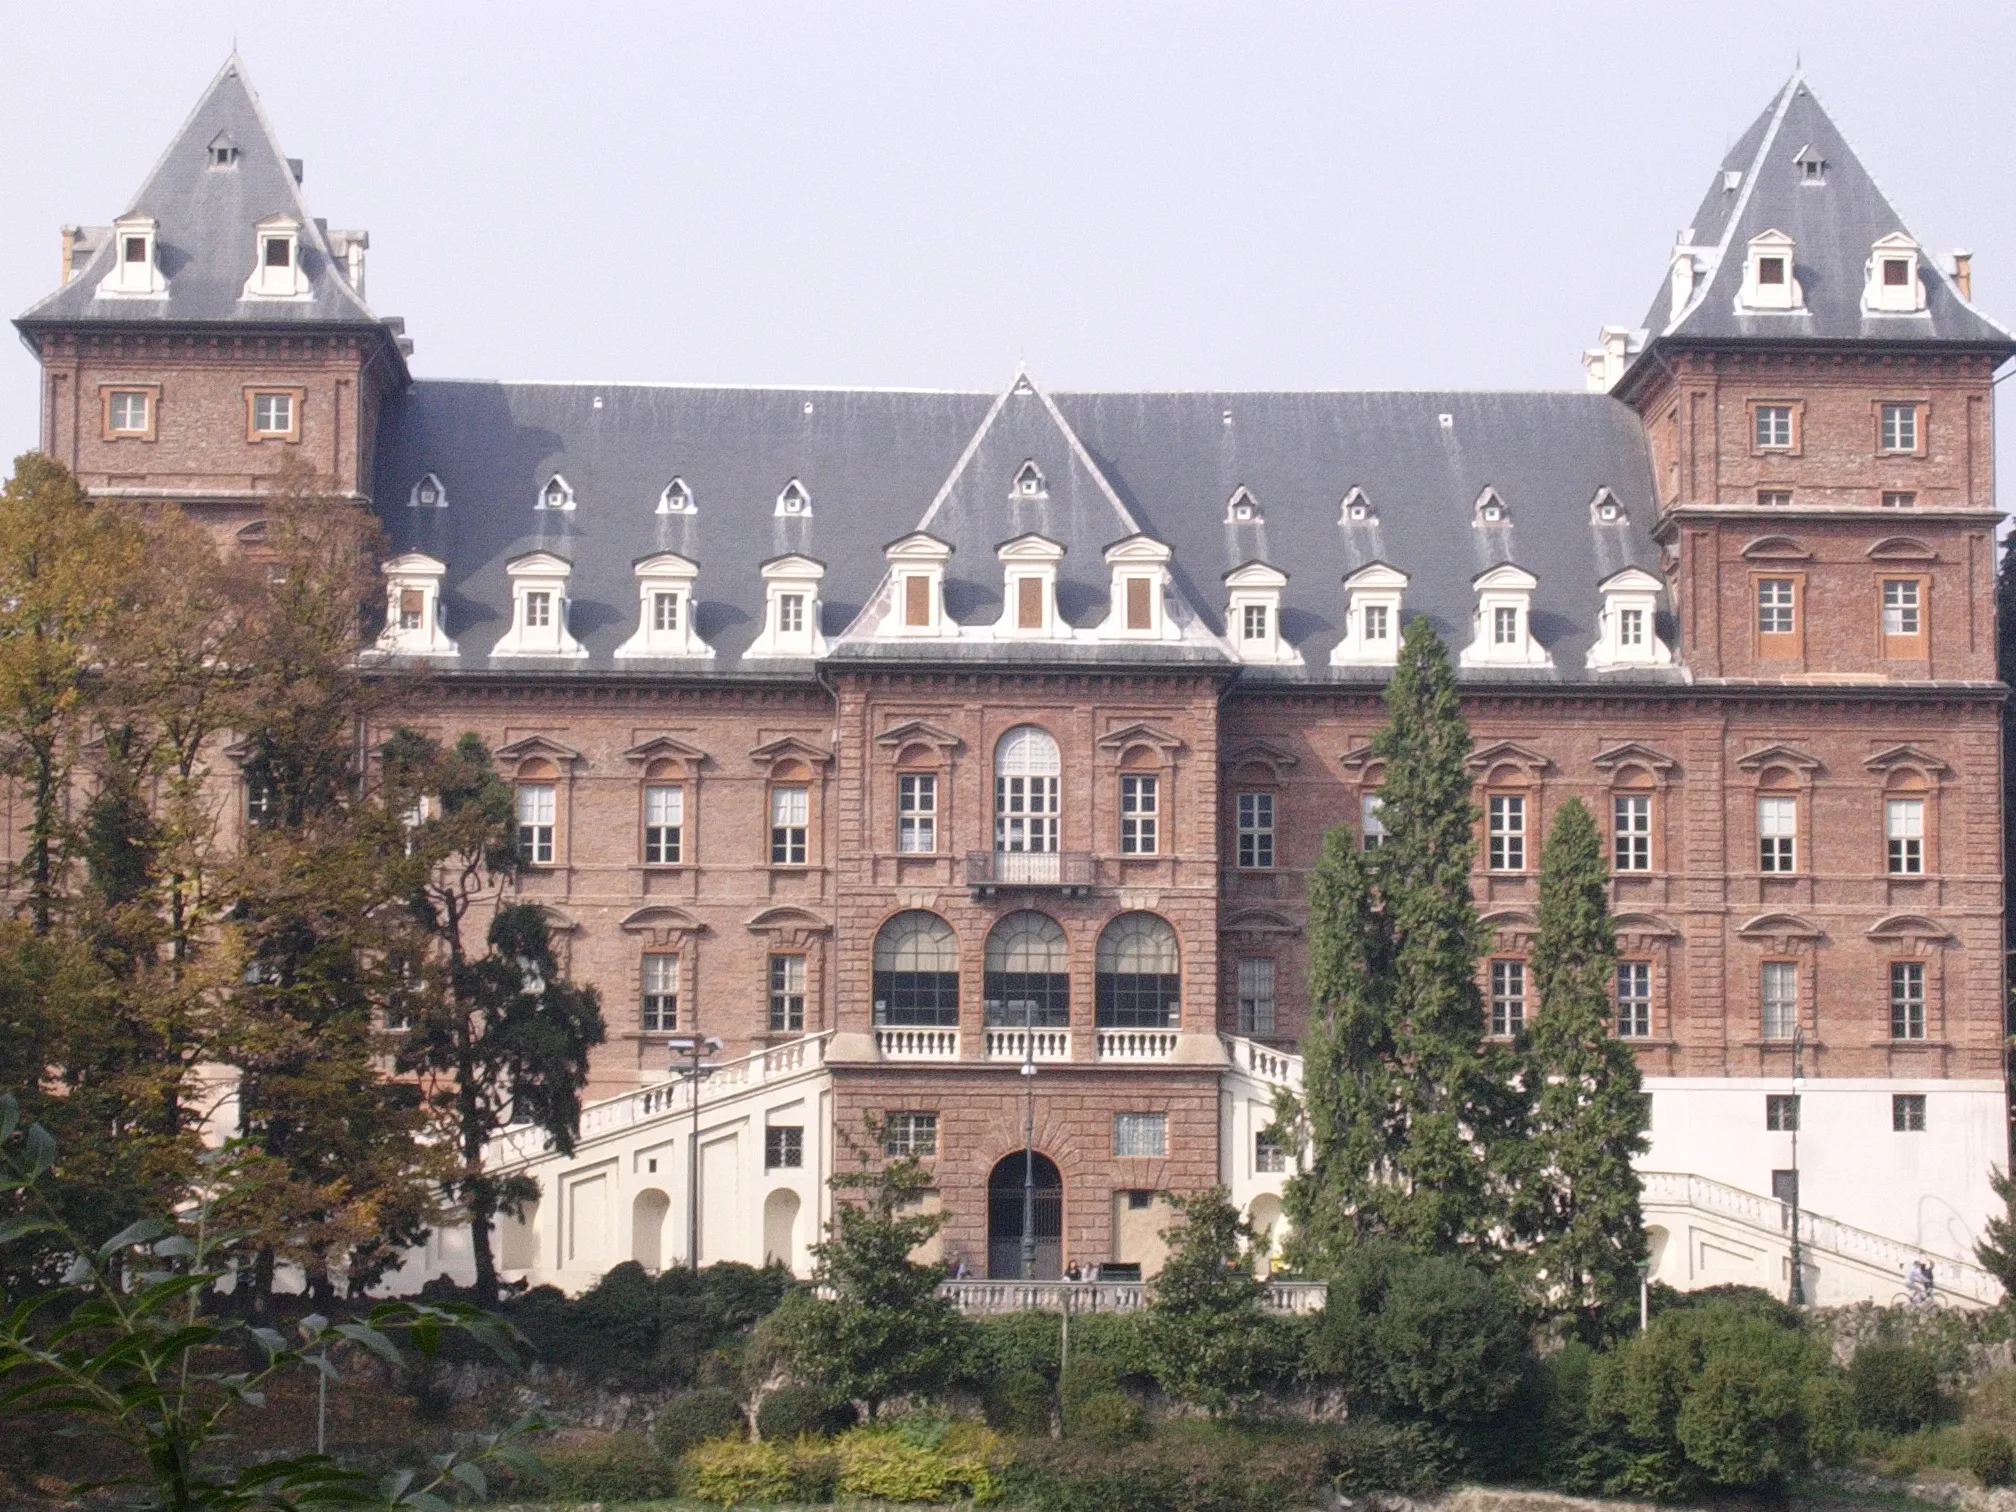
(1644, 1295)
(1796, 1293)
(693, 1048)
(1029, 1139)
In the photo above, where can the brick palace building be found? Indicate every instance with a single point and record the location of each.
(900, 737)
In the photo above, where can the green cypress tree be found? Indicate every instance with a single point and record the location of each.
(1578, 1202)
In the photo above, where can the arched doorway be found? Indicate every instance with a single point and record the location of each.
(1004, 1220)
(647, 1228)
(780, 1228)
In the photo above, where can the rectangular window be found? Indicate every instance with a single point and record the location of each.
(1504, 626)
(1634, 999)
(262, 804)
(664, 825)
(1777, 598)
(916, 599)
(1371, 827)
(1774, 425)
(790, 811)
(790, 613)
(1904, 835)
(1774, 498)
(273, 414)
(1139, 810)
(1137, 604)
(1253, 622)
(916, 813)
(1631, 627)
(787, 994)
(1507, 832)
(412, 604)
(1779, 987)
(1141, 1134)
(783, 1147)
(1377, 624)
(1907, 1112)
(1028, 603)
(1901, 606)
(136, 249)
(1256, 831)
(661, 994)
(537, 804)
(1899, 499)
(1907, 1000)
(278, 253)
(126, 412)
(1781, 1113)
(1508, 998)
(665, 612)
(1899, 428)
(1771, 270)
(909, 1136)
(1269, 1159)
(1631, 848)
(1256, 997)
(538, 610)
(1777, 834)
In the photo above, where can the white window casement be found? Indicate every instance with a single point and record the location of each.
(677, 499)
(1777, 834)
(1243, 509)
(276, 261)
(1904, 836)
(791, 608)
(1504, 629)
(1508, 998)
(1897, 427)
(1253, 615)
(136, 261)
(664, 609)
(1371, 637)
(917, 813)
(538, 807)
(1356, 509)
(664, 824)
(1029, 591)
(1770, 279)
(915, 587)
(660, 1007)
(794, 501)
(1505, 830)
(1894, 284)
(555, 493)
(539, 608)
(1140, 815)
(1627, 634)
(414, 621)
(1140, 575)
(427, 493)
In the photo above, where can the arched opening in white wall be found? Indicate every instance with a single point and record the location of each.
(647, 1228)
(780, 1228)
(1270, 1229)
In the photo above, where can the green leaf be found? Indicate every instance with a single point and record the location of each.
(20, 1228)
(41, 1150)
(142, 1232)
(471, 1476)
(371, 1339)
(176, 1247)
(10, 1116)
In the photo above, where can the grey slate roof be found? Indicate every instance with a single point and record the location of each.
(1833, 224)
(205, 218)
(875, 462)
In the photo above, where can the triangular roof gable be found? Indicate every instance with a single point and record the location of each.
(790, 745)
(414, 564)
(1630, 580)
(1506, 575)
(1256, 574)
(1377, 575)
(662, 747)
(668, 564)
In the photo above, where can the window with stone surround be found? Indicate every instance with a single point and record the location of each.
(1778, 833)
(1255, 851)
(1772, 427)
(1141, 1134)
(664, 823)
(1140, 814)
(1508, 998)
(790, 824)
(1138, 982)
(538, 799)
(1906, 635)
(1897, 427)
(909, 1136)
(1631, 832)
(1778, 992)
(1505, 820)
(273, 414)
(129, 413)
(1907, 1000)
(660, 1009)
(1027, 766)
(1904, 836)
(916, 813)
(1634, 999)
(787, 994)
(916, 972)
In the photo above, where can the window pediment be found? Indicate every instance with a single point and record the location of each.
(663, 925)
(1902, 549)
(1357, 759)
(1508, 753)
(1908, 756)
(1276, 758)
(1646, 927)
(789, 926)
(665, 748)
(1908, 927)
(1776, 549)
(1140, 733)
(1261, 924)
(532, 746)
(1634, 753)
(1780, 930)
(1779, 754)
(790, 748)
(919, 732)
(1514, 928)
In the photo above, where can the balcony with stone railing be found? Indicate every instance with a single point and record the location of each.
(902, 1044)
(1140, 1046)
(1049, 1045)
(992, 1298)
(1068, 873)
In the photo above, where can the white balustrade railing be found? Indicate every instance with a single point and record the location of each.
(1135, 1044)
(1263, 1062)
(918, 1044)
(1009, 1044)
(990, 1298)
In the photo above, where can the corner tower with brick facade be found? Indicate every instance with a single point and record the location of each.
(959, 759)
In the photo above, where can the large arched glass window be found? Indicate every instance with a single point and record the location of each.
(917, 972)
(1026, 767)
(1138, 983)
(1028, 973)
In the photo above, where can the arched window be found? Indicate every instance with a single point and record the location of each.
(1139, 981)
(1026, 765)
(917, 972)
(1028, 973)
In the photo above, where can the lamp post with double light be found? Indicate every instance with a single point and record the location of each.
(690, 1065)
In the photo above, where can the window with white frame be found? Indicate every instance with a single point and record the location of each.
(538, 609)
(1140, 813)
(1508, 998)
(787, 994)
(1256, 996)
(1505, 626)
(1026, 768)
(1777, 834)
(1779, 992)
(273, 414)
(1772, 427)
(1901, 606)
(664, 824)
(127, 412)
(1631, 627)
(1141, 1134)
(790, 614)
(538, 803)
(1378, 624)
(1634, 999)
(1270, 1157)
(909, 1136)
(665, 612)
(660, 1013)
(1904, 834)
(916, 813)
(1506, 832)
(1775, 601)
(1898, 427)
(1255, 850)
(1372, 832)
(790, 821)
(1253, 622)
(1631, 833)
(1907, 1000)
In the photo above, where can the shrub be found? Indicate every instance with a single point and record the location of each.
(1107, 1417)
(1189, 1466)
(1895, 1387)
(1019, 1403)
(622, 1467)
(1019, 1341)
(1992, 1458)
(694, 1417)
(881, 1464)
(795, 1412)
(641, 1330)
(1371, 1455)
(732, 1472)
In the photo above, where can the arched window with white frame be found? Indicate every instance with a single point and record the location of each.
(1027, 778)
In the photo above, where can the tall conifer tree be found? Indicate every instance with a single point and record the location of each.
(1578, 1205)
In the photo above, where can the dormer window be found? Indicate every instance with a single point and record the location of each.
(136, 269)
(1242, 509)
(1627, 633)
(1503, 634)
(413, 615)
(1253, 614)
(665, 609)
(428, 494)
(794, 500)
(1371, 617)
(1605, 508)
(223, 151)
(1029, 588)
(1357, 509)
(1892, 283)
(1770, 280)
(1140, 574)
(1491, 509)
(916, 586)
(279, 252)
(1810, 166)
(791, 612)
(539, 605)
(557, 494)
(276, 260)
(1029, 482)
(677, 499)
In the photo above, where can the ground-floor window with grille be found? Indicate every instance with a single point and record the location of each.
(909, 1135)
(1141, 1134)
(783, 1147)
(1907, 1113)
(1781, 1113)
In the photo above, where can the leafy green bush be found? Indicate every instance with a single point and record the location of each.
(621, 1467)
(1895, 1387)
(1370, 1455)
(1019, 1403)
(733, 1472)
(1011, 1342)
(1107, 1417)
(694, 1417)
(795, 1412)
(1992, 1458)
(888, 1465)
(640, 1330)
(1185, 1466)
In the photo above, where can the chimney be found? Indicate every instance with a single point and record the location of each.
(1963, 273)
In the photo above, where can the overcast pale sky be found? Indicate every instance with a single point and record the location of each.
(918, 195)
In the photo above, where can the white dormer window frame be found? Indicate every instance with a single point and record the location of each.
(1356, 509)
(794, 501)
(1893, 282)
(1491, 509)
(677, 499)
(1032, 560)
(134, 277)
(427, 493)
(664, 609)
(415, 624)
(1253, 615)
(790, 608)
(222, 151)
(1605, 509)
(1627, 633)
(276, 261)
(1771, 274)
(915, 588)
(1243, 509)
(1503, 629)
(1139, 579)
(539, 608)
(1810, 167)
(555, 493)
(1029, 482)
(1372, 628)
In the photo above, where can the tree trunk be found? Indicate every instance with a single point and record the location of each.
(479, 1244)
(262, 1282)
